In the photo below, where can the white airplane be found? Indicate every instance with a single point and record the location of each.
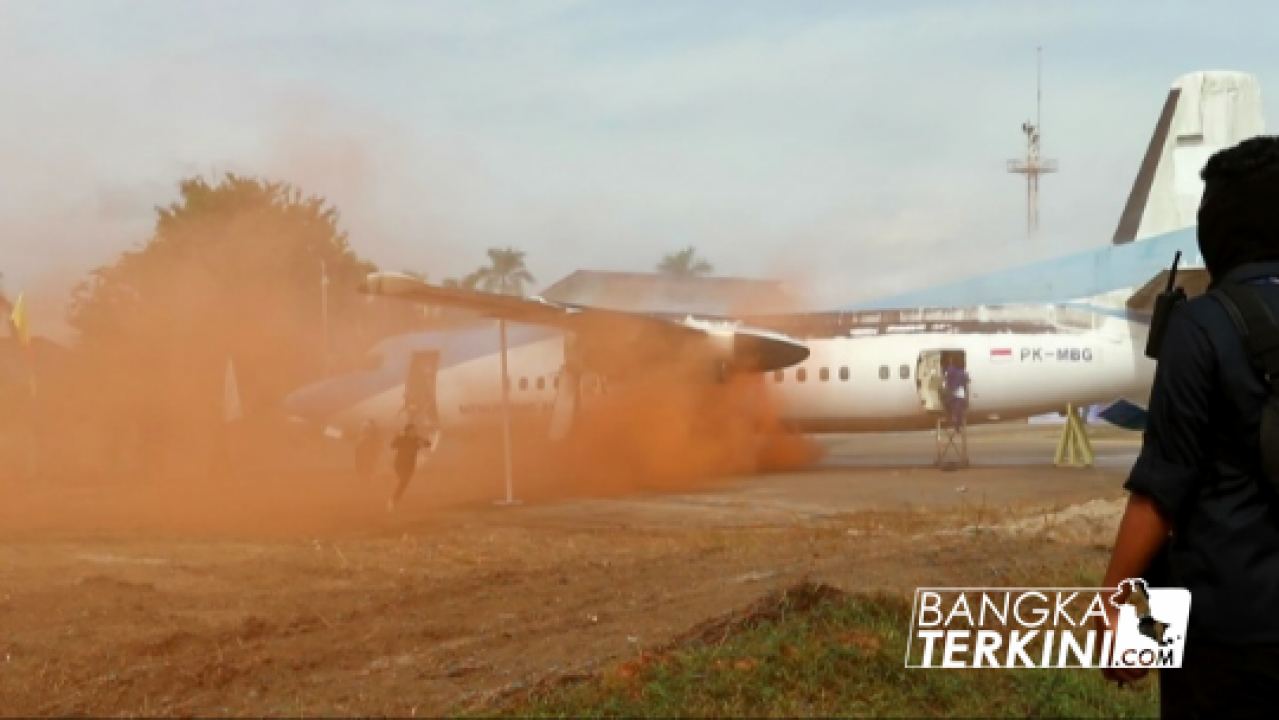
(1035, 338)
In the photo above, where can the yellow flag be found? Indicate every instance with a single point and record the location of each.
(19, 316)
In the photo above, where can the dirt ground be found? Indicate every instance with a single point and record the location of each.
(297, 593)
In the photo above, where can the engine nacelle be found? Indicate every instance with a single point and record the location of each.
(741, 349)
(718, 350)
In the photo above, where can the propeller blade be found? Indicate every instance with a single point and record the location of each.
(565, 406)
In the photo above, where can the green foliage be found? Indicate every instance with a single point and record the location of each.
(843, 658)
(505, 273)
(232, 269)
(684, 264)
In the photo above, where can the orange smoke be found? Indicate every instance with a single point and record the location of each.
(233, 274)
(665, 433)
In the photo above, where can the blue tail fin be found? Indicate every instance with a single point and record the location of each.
(1126, 415)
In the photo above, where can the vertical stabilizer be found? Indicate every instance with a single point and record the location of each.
(1205, 112)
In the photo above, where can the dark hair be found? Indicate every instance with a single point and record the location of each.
(1256, 156)
(1239, 211)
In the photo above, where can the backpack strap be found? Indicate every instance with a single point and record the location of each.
(1257, 327)
(1259, 331)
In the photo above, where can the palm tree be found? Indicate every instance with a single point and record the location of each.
(685, 264)
(504, 274)
(465, 283)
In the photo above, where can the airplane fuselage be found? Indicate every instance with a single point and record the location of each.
(1076, 336)
(849, 383)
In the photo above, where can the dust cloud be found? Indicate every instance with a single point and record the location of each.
(124, 446)
(663, 423)
(130, 433)
(127, 430)
(134, 408)
(654, 436)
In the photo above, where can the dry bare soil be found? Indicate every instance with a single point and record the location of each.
(297, 593)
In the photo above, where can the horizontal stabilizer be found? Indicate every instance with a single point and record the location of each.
(1125, 415)
(1194, 281)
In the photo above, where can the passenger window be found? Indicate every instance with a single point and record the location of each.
(801, 375)
(541, 383)
(779, 375)
(824, 374)
(523, 383)
(556, 382)
(883, 372)
(904, 372)
(843, 373)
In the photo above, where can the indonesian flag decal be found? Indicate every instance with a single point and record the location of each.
(1001, 355)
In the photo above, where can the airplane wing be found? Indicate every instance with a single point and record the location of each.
(748, 348)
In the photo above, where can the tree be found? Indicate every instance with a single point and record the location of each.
(684, 264)
(465, 283)
(505, 273)
(232, 270)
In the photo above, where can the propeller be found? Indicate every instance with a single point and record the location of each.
(568, 390)
(565, 407)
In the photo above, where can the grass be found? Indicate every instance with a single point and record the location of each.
(817, 652)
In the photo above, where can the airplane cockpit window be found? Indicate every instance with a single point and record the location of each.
(801, 375)
(843, 373)
(883, 372)
(904, 372)
(824, 374)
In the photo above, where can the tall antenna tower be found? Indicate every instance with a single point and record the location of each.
(1033, 165)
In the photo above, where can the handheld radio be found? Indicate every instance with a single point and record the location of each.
(1169, 299)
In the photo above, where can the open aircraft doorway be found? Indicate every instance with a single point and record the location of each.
(421, 405)
(928, 376)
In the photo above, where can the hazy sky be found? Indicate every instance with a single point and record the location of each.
(857, 146)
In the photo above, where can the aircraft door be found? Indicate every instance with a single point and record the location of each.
(928, 380)
(928, 376)
(420, 403)
(592, 386)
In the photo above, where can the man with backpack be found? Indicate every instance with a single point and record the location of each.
(1203, 513)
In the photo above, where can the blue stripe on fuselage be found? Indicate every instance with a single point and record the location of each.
(1121, 313)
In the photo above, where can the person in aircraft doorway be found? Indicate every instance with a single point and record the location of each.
(407, 445)
(956, 380)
